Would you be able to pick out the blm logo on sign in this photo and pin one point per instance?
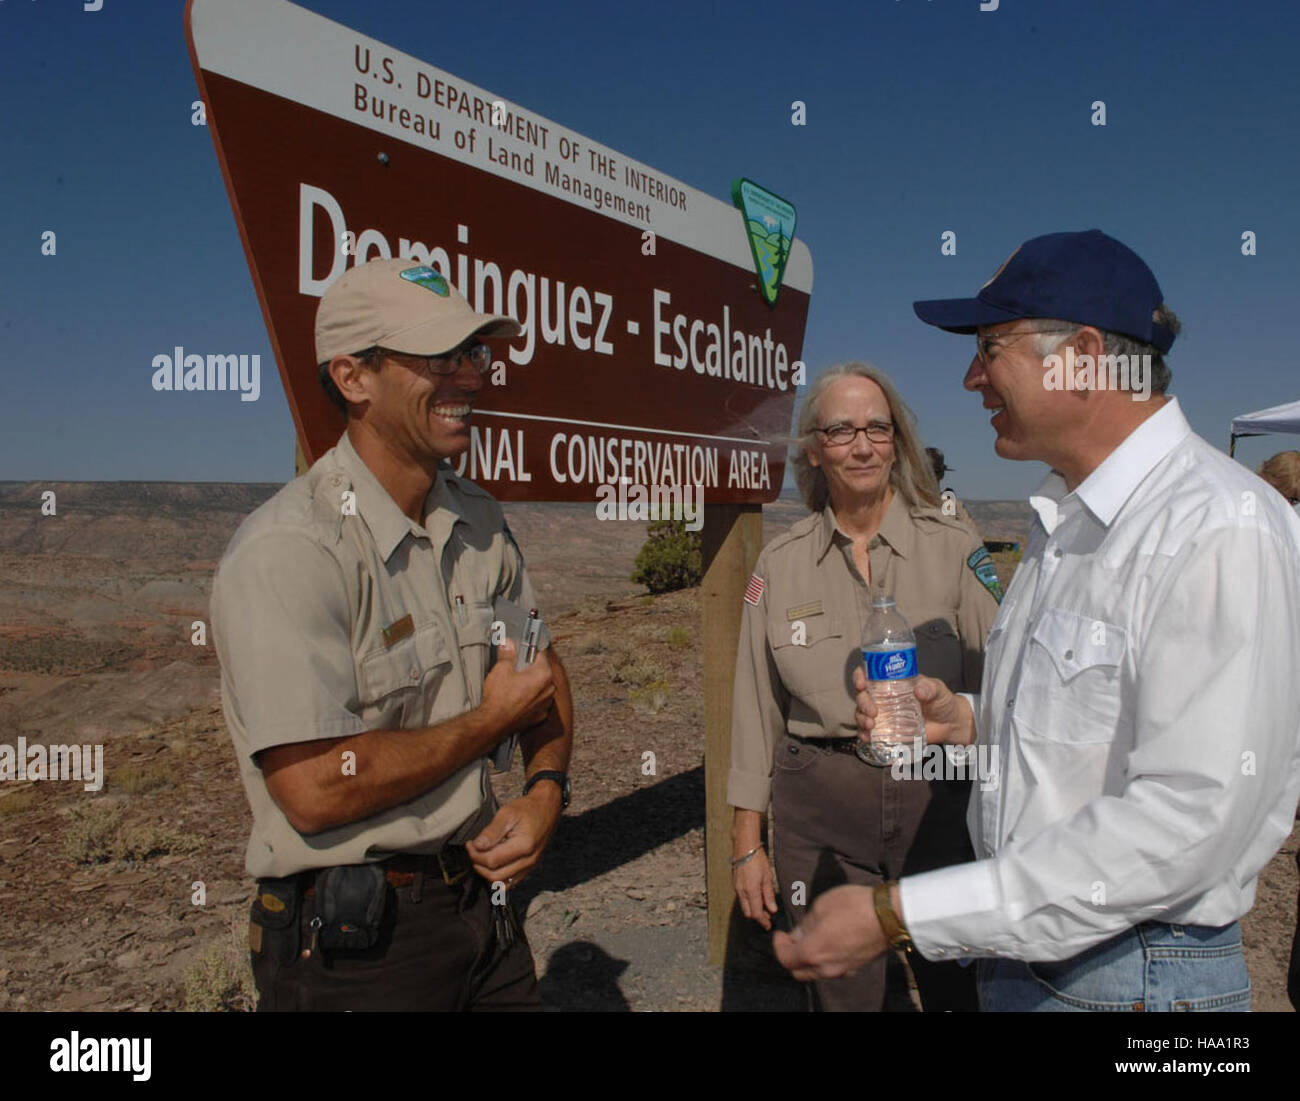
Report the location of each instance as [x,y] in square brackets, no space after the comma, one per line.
[769,222]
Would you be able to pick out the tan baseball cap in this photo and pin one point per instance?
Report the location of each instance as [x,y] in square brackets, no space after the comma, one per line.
[402,305]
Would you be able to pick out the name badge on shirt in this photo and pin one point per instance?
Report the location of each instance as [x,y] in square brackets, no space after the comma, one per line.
[803,611]
[396,631]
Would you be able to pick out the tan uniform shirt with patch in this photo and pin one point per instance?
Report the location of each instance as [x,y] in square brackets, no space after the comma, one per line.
[334,614]
[808,577]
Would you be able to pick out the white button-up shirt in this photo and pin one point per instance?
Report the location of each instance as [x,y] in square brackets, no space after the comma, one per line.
[1141,702]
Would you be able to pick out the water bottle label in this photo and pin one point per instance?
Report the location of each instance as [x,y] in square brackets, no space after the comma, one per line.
[890,664]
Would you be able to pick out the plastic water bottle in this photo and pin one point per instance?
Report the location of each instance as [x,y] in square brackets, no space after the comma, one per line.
[889,654]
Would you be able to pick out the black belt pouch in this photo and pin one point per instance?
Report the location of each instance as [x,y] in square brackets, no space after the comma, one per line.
[275,909]
[350,901]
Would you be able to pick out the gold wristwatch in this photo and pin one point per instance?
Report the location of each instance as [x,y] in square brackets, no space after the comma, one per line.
[890,923]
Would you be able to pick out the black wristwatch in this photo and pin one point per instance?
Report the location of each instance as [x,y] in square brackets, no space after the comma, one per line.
[561,778]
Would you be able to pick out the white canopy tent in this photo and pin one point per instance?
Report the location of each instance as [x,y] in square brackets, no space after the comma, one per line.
[1280,418]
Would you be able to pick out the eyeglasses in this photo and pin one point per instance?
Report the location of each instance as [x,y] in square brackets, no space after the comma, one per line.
[448,363]
[983,343]
[840,435]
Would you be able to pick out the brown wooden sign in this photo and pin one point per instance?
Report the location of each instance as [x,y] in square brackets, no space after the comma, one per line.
[648,354]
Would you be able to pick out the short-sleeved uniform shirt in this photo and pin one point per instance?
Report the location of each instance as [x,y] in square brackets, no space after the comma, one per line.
[334,614]
[805,612]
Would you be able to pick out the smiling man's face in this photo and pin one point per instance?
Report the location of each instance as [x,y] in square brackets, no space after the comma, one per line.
[422,414]
[1031,421]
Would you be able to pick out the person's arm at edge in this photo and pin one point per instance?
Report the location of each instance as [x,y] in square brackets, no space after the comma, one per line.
[1206,827]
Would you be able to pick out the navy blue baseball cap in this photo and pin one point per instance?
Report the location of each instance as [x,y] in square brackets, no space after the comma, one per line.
[1087,278]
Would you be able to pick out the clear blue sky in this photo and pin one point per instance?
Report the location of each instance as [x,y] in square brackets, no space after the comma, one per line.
[923,116]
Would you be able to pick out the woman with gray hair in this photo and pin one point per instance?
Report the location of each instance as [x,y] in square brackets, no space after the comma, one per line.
[878,528]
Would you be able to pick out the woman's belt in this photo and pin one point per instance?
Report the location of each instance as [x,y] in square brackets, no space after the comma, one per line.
[853,745]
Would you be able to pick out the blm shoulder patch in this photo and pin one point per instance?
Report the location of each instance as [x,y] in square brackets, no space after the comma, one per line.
[981,565]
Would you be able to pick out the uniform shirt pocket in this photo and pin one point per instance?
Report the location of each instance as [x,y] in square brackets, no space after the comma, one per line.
[812,660]
[474,637]
[393,682]
[1070,689]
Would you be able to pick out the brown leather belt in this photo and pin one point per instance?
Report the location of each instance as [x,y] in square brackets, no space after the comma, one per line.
[452,864]
[841,745]
[853,746]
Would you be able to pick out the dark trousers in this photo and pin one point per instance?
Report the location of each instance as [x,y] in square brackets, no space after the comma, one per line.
[438,949]
[840,820]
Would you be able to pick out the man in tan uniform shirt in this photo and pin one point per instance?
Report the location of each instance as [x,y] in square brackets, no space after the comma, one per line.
[355,645]
[801,635]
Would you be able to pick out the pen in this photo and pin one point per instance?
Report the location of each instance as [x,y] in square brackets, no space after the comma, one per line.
[532,631]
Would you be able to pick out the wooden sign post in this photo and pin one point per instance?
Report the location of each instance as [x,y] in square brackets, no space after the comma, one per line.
[732,538]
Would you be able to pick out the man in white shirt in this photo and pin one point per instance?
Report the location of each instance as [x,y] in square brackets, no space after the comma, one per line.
[1140,699]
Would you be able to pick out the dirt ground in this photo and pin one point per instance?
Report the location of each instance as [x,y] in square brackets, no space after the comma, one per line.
[135,897]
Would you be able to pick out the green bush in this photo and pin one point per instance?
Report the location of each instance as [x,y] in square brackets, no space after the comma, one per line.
[672,557]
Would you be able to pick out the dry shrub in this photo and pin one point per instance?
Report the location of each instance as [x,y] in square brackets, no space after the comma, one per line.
[91,834]
[221,979]
[637,672]
[16,803]
[137,779]
[650,698]
[142,842]
[95,835]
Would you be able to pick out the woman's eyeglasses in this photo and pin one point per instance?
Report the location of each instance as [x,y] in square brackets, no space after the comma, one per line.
[839,435]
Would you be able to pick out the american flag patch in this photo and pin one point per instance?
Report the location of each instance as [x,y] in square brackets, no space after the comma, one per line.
[754,590]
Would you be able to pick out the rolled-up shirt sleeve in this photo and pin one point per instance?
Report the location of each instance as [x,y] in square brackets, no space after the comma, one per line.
[758,709]
[282,629]
[1215,762]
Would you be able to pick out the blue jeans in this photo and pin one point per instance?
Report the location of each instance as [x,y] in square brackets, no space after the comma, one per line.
[1153,967]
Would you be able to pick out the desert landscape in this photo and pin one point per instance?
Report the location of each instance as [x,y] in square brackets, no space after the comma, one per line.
[134,897]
